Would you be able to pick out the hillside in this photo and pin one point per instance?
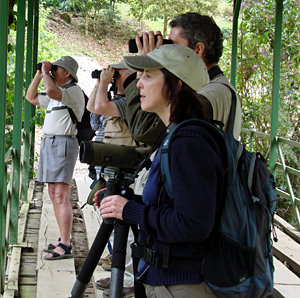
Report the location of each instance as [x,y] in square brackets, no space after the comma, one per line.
[107,45]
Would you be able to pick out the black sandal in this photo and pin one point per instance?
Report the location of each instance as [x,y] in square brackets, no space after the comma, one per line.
[68,253]
[51,246]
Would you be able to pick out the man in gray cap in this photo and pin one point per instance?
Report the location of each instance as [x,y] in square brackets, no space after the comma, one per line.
[113,130]
[114,109]
[59,147]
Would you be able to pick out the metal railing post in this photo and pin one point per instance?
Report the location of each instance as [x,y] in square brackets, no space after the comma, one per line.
[17,121]
[34,61]
[276,86]
[3,189]
[236,13]
[27,105]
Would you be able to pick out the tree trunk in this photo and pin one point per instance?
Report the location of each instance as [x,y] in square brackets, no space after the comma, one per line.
[94,22]
[165,26]
[86,18]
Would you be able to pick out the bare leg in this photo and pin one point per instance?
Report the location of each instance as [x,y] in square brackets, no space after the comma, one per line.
[60,196]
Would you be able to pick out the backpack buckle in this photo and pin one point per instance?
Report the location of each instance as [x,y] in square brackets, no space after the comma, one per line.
[153,258]
[149,256]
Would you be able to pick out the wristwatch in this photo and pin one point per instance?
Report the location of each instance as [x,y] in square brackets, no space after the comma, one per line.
[46,73]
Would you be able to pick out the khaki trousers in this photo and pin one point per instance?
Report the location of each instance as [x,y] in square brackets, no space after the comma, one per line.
[201,290]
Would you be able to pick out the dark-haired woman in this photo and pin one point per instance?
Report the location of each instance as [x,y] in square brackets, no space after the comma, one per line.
[172,74]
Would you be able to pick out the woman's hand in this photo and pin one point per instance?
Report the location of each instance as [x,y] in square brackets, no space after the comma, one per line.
[96,197]
[112,206]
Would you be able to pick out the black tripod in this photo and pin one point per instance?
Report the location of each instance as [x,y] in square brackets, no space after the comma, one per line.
[119,253]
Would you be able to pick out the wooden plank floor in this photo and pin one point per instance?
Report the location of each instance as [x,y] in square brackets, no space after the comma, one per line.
[28,274]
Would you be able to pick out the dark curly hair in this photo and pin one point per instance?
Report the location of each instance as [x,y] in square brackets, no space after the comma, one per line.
[183,99]
[201,28]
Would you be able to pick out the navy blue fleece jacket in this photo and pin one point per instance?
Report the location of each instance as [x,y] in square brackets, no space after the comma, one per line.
[197,181]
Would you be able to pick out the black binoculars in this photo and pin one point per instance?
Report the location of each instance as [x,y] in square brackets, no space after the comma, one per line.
[133,47]
[39,66]
[96,74]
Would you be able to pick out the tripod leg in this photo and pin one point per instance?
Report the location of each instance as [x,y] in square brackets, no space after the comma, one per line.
[118,260]
[91,260]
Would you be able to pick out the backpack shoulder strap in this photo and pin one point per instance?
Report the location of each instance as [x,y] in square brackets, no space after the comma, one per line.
[230,124]
[72,115]
[165,157]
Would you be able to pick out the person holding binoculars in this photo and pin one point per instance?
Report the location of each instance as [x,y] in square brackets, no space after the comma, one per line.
[59,147]
[113,108]
[108,114]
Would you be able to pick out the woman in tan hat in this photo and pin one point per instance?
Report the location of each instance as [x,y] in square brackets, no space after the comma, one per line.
[173,229]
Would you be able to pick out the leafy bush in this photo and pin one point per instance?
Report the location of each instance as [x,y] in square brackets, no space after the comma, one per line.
[67,5]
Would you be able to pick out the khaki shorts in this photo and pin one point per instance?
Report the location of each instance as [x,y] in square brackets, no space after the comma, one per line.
[201,290]
[58,155]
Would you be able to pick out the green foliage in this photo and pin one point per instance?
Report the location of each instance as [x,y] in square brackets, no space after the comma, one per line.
[255,65]
[168,9]
[66,5]
[109,21]
[256,45]
[47,41]
[286,211]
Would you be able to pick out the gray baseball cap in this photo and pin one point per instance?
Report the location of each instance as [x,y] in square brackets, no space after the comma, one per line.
[180,60]
[122,65]
[69,64]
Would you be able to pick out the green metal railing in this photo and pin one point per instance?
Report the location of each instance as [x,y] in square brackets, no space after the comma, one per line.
[15,164]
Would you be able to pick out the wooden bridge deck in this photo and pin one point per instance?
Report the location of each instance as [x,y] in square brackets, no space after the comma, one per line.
[29,275]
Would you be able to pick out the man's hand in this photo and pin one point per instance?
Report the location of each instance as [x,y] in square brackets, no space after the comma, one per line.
[107,75]
[46,67]
[32,92]
[149,43]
